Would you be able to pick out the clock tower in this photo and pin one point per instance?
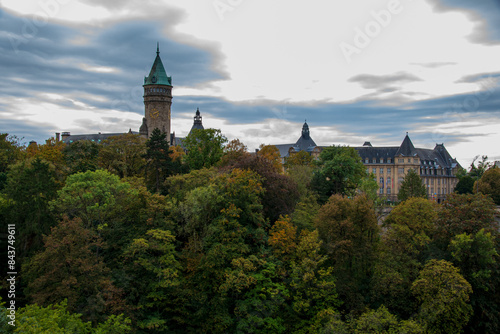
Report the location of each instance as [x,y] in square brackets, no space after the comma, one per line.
[157,99]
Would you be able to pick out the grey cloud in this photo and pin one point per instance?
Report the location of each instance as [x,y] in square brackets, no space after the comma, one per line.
[370,81]
[484,13]
[434,64]
[479,76]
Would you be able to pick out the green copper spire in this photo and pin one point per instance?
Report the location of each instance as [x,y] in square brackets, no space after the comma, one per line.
[158,75]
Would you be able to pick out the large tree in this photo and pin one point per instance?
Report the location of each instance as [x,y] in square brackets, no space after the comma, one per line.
[489,184]
[31,186]
[159,164]
[204,148]
[350,234]
[443,295]
[81,156]
[123,155]
[340,172]
[70,268]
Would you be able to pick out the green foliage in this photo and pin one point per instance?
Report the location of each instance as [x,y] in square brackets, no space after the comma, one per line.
[81,156]
[489,184]
[382,321]
[30,188]
[70,268]
[477,258]
[241,247]
[50,320]
[464,214]
[443,295]
[301,158]
[465,185]
[123,155]
[204,148]
[159,164]
[340,172]
[350,235]
[404,248]
[10,153]
[281,192]
[56,319]
[156,270]
[95,197]
[412,186]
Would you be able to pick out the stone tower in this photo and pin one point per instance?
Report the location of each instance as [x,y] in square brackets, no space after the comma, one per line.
[157,99]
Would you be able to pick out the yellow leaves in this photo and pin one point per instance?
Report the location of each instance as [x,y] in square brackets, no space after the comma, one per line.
[271,153]
[176,153]
[282,236]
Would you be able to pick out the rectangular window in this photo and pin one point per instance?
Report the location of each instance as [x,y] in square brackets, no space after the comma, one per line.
[409,159]
[388,160]
[381,190]
[382,180]
[388,191]
[381,171]
[366,160]
[374,170]
[401,170]
[388,170]
[401,160]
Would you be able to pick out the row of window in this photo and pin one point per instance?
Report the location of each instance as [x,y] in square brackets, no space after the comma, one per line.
[402,171]
[374,170]
[156,90]
[400,160]
[381,160]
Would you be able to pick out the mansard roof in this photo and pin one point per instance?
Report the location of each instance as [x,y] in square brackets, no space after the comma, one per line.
[158,75]
[437,157]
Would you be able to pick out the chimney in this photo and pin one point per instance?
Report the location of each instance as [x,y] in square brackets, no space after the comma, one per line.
[58,136]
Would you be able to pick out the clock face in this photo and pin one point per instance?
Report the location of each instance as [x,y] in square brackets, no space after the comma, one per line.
[154,113]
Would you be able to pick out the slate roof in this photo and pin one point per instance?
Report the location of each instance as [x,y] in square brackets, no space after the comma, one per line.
[406,149]
[429,158]
[304,143]
[95,137]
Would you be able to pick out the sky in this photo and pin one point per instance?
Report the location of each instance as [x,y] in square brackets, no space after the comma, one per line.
[363,70]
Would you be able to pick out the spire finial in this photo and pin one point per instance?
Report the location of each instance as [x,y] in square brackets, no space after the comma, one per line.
[157,48]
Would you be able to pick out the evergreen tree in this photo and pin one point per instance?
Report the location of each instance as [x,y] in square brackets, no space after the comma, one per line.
[159,164]
[412,186]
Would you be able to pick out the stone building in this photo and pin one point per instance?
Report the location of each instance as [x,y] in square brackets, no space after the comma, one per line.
[389,165]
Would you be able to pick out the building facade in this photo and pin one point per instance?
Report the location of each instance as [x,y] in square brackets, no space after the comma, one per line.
[389,165]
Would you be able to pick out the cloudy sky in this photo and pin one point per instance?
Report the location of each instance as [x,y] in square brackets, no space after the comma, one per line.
[364,70]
